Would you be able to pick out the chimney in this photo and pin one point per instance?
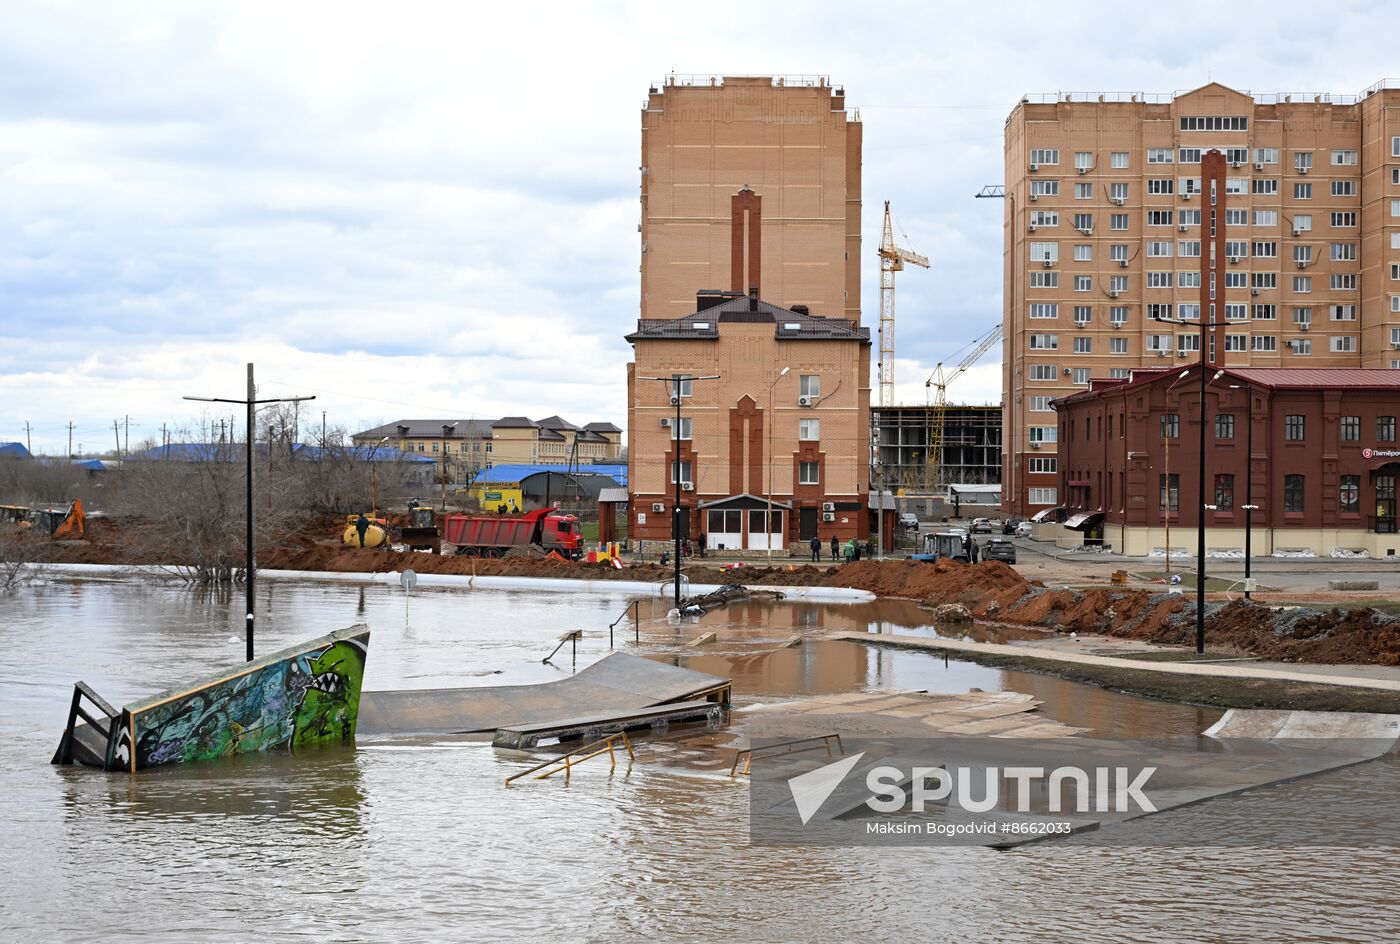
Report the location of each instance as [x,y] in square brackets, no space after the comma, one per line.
[753,298]
[746,226]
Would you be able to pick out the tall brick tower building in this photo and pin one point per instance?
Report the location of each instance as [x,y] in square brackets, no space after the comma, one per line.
[787,139]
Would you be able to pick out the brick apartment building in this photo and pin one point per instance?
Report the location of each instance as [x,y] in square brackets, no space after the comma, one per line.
[1104,230]
[467,446]
[1315,449]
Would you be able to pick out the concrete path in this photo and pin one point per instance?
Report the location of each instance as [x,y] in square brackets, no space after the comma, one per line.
[1248,670]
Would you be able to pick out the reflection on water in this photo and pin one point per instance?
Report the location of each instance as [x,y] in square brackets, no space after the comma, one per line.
[346,844]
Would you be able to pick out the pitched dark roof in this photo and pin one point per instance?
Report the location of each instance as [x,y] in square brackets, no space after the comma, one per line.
[429,429]
[551,434]
[602,427]
[515,422]
[556,422]
[1279,378]
[788,324]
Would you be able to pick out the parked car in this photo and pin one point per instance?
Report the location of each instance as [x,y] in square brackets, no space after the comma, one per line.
[1009,525]
[999,549]
[981,525]
[1023,530]
[908,519]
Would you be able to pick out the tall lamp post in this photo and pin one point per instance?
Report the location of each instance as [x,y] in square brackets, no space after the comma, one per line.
[1249,505]
[250,562]
[675,383]
[447,429]
[768,479]
[373,484]
[1166,499]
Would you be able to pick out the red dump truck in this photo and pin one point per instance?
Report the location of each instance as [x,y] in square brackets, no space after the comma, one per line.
[494,535]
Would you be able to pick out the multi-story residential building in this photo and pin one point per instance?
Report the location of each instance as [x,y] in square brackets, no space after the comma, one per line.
[790,140]
[467,446]
[1103,232]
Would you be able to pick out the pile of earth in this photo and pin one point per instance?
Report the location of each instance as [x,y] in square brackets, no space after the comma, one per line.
[1359,636]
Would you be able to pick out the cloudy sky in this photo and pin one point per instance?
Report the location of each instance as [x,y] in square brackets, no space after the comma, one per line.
[421,209]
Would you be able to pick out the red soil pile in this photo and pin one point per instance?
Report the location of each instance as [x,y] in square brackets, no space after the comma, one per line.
[1359,636]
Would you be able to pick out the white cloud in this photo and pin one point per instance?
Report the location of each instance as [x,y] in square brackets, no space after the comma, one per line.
[436,204]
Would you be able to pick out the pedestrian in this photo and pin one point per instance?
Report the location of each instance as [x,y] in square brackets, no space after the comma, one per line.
[849,550]
[700,543]
[967,548]
[362,527]
[856,545]
[835,548]
[816,548]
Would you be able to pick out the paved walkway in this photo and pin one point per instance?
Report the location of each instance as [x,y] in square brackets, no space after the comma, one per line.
[1379,678]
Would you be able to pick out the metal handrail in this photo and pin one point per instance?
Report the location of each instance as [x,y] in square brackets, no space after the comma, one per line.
[574,635]
[635,609]
[746,754]
[572,759]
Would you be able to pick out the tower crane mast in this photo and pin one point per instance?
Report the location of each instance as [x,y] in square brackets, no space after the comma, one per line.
[892,260]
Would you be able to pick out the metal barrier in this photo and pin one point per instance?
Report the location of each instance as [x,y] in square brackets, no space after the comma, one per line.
[577,756]
[106,727]
[746,755]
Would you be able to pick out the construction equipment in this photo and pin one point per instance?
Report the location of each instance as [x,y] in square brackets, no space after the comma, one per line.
[376,534]
[421,532]
[495,535]
[936,399]
[892,260]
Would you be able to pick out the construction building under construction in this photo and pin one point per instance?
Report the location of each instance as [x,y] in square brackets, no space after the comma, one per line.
[970,452]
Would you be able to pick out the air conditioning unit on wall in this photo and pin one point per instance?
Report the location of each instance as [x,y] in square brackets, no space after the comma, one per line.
[658,507]
[828,516]
[665,422]
[687,486]
[805,401]
[828,506]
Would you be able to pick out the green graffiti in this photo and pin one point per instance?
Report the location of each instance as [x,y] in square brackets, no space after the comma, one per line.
[332,702]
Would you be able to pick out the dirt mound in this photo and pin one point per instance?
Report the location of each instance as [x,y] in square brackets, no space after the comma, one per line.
[1355,637]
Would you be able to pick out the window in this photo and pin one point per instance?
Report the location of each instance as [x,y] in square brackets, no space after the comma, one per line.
[1159,342]
[809,430]
[1045,218]
[1302,161]
[1170,424]
[1159,155]
[1395,175]
[1302,284]
[1189,156]
[1237,155]
[1265,250]
[1236,217]
[1342,312]
[1343,188]
[1302,254]
[1042,372]
[1395,208]
[1236,311]
[1300,345]
[1045,342]
[1081,376]
[1118,315]
[681,430]
[1263,312]
[1045,155]
[1263,280]
[1236,280]
[1159,280]
[1344,219]
[1041,405]
[1395,303]
[1349,495]
[1188,217]
[1083,345]
[1266,155]
[1266,217]
[686,474]
[1044,280]
[1084,222]
[1351,428]
[1169,492]
[1343,158]
[1293,427]
[1118,193]
[1045,188]
[1117,345]
[1224,426]
[1188,342]
[1119,373]
[1118,221]
[1236,342]
[1394,272]
[1117,285]
[1118,252]
[1385,429]
[687,386]
[1188,280]
[1395,147]
[1083,160]
[435,447]
[1302,223]
[1044,464]
[1293,494]
[1160,185]
[1344,252]
[1224,492]
[808,473]
[1118,160]
[1302,315]
[1045,252]
[1160,249]
[1302,191]
[1159,217]
[1083,314]
[1263,344]
[1343,344]
[1265,185]
[1189,311]
[1083,252]
[1188,248]
[1236,248]
[1083,283]
[1043,434]
[1041,496]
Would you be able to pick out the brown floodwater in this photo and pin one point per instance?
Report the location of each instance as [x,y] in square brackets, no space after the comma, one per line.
[412,841]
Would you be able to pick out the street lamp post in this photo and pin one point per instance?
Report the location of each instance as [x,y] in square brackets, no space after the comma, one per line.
[1166,497]
[250,560]
[675,381]
[1249,505]
[768,479]
[447,429]
[373,484]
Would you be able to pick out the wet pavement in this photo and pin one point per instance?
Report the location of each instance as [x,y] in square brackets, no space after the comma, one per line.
[412,841]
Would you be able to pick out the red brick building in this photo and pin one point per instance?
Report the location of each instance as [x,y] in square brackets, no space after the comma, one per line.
[1322,471]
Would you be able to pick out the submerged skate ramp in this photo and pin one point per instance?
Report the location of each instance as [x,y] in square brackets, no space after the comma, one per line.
[618,682]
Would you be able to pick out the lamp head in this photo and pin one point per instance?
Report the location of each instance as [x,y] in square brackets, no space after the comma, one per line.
[784,371]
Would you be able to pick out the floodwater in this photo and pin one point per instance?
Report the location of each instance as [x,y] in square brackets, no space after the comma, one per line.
[391,841]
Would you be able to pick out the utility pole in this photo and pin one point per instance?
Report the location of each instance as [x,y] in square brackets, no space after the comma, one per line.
[164,442]
[250,560]
[117,435]
[70,439]
[126,433]
[28,443]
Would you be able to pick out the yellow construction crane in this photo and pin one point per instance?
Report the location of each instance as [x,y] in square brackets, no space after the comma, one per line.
[936,399]
[892,260]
